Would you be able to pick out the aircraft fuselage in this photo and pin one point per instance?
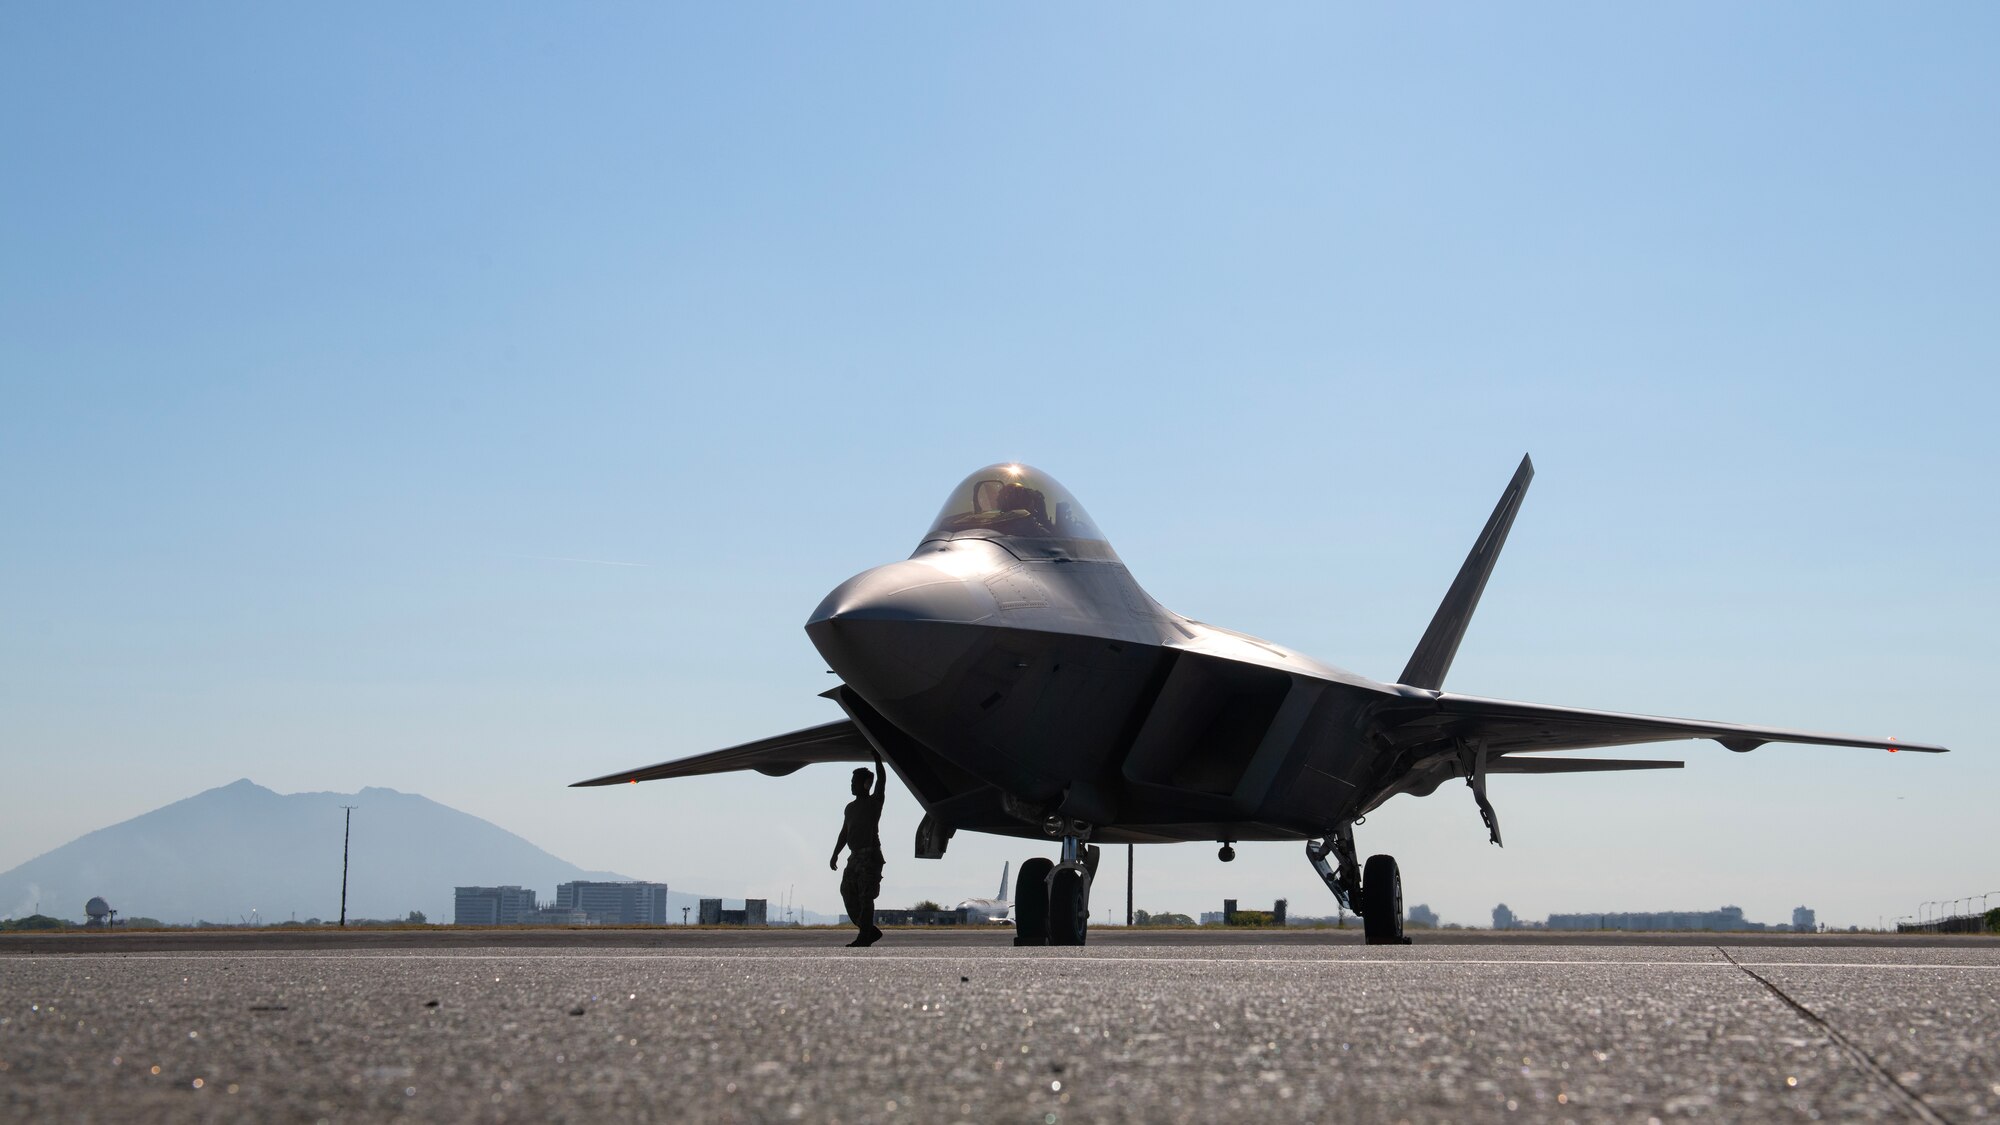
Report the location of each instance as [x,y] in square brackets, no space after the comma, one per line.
[1031,688]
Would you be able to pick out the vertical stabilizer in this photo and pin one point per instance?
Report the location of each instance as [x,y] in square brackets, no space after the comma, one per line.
[1440,644]
[1002,896]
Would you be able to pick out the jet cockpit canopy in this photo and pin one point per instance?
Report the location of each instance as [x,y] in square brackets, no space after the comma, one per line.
[1025,510]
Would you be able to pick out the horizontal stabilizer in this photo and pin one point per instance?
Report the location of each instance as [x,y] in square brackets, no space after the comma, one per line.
[776,756]
[1507,726]
[1440,642]
[1525,764]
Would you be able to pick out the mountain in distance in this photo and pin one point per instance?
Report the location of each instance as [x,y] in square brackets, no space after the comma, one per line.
[222,854]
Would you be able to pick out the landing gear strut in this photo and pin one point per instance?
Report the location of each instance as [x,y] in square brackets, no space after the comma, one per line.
[1375,893]
[1052,900]
[1345,883]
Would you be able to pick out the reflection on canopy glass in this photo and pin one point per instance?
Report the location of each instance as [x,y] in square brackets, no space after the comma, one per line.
[1013,501]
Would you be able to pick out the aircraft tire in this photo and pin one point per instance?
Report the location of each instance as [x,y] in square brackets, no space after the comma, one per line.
[1031,902]
[1069,907]
[1382,901]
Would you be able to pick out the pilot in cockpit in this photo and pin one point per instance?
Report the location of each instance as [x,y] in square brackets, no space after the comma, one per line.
[1017,497]
[1012,502]
[1007,507]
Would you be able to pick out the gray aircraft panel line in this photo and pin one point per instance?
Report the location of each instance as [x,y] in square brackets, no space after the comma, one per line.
[1020,682]
[1492,1032]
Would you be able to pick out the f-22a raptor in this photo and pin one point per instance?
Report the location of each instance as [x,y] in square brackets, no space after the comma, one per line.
[1021,683]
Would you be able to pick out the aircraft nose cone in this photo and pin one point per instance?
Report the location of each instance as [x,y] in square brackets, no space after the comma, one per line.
[893,633]
[904,591]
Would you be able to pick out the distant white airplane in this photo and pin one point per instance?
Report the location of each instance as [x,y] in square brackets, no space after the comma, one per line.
[999,909]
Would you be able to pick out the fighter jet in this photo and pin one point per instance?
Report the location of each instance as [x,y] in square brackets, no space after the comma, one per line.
[1021,683]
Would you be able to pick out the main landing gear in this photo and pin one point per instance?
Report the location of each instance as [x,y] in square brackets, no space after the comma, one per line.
[1052,900]
[1374,892]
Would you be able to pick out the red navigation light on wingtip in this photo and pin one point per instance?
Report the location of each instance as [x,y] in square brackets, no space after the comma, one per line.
[1892,749]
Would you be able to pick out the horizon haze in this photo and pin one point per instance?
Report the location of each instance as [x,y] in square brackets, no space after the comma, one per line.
[240,850]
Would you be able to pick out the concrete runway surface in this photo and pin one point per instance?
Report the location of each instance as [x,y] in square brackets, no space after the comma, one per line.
[966,1028]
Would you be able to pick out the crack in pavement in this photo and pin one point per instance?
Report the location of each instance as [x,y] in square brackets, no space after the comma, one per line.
[1910,1099]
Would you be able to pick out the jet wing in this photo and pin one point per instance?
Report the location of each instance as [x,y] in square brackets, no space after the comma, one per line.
[777,756]
[1505,726]
[1529,763]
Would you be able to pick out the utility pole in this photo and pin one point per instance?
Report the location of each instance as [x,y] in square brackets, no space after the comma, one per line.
[346,833]
[1131,850]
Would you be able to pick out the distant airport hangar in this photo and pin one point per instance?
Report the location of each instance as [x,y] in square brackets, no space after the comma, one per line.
[578,903]
[755,912]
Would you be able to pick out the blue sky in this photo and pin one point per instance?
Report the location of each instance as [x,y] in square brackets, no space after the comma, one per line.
[323,335]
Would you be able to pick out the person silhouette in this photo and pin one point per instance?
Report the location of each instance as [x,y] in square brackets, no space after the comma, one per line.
[860,834]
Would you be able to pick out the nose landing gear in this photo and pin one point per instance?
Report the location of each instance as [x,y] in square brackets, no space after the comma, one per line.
[1375,893]
[1069,906]
[1382,902]
[1031,902]
[1052,900]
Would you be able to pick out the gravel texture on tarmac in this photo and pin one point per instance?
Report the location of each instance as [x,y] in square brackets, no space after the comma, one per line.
[975,1030]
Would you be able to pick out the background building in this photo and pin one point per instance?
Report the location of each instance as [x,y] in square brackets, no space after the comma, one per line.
[628,904]
[491,906]
[753,913]
[1804,921]
[1231,916]
[1503,918]
[1727,918]
[557,916]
